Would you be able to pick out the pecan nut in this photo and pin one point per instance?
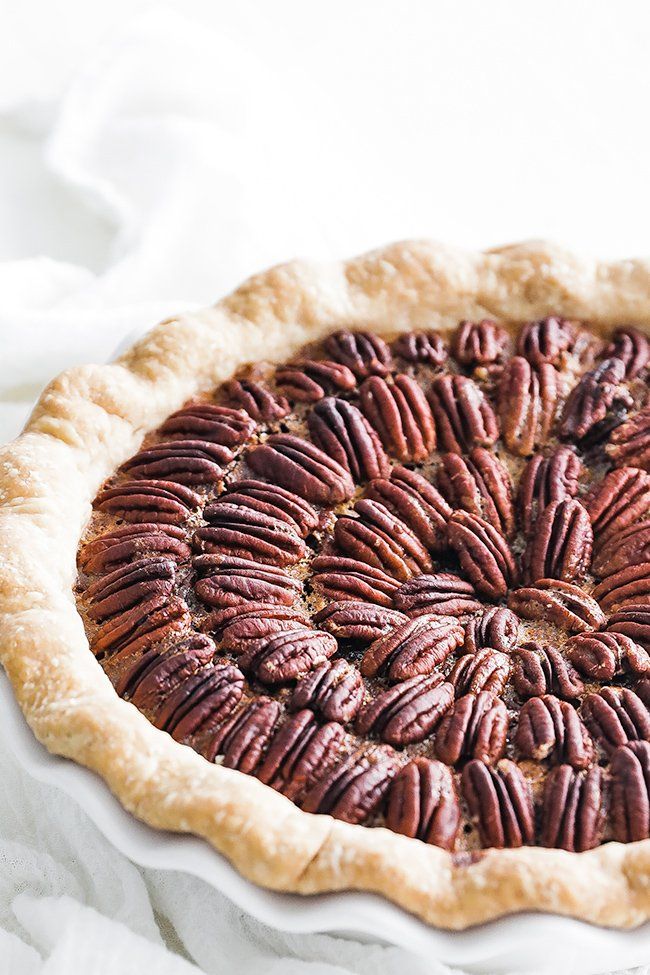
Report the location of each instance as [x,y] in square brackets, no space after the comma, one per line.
[339,578]
[256,399]
[237,619]
[350,619]
[243,738]
[247,534]
[129,543]
[181,461]
[486,670]
[148,679]
[597,404]
[615,716]
[136,629]
[630,792]
[551,729]
[423,803]
[416,502]
[149,501]
[561,544]
[633,621]
[201,702]
[479,343]
[540,670]
[496,627]
[483,553]
[343,432]
[629,444]
[301,468]
[355,789]
[408,712]
[426,347]
[500,802]
[231,582]
[205,421]
[285,655]
[481,485]
[475,727]
[372,534]
[401,415]
[603,656]
[630,546]
[300,754]
[547,340]
[464,417]
[440,594]
[417,646]
[544,480]
[557,602]
[310,380]
[620,501]
[629,586]
[527,402]
[129,585]
[248,630]
[572,817]
[633,349]
[274,501]
[364,353]
[334,690]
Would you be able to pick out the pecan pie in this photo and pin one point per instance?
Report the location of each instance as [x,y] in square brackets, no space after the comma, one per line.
[352,578]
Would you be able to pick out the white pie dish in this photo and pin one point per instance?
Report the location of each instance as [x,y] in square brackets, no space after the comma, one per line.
[523,943]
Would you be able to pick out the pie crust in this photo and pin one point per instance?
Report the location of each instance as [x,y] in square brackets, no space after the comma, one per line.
[91,419]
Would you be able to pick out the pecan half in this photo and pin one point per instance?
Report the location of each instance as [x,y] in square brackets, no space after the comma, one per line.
[334,690]
[629,546]
[129,543]
[441,594]
[597,404]
[417,646]
[416,502]
[527,402]
[149,678]
[231,581]
[148,501]
[497,627]
[551,729]
[350,619]
[286,655]
[540,670]
[423,804]
[426,347]
[629,586]
[485,670]
[129,585]
[256,399]
[136,629]
[356,787]
[629,444]
[372,534]
[633,621]
[343,432]
[248,534]
[557,602]
[633,349]
[616,715]
[300,754]
[401,415]
[475,727]
[572,817]
[484,555]
[408,712]
[201,701]
[310,380]
[478,343]
[618,502]
[272,500]
[464,417]
[603,656]
[630,792]
[500,802]
[249,614]
[561,543]
[248,631]
[301,468]
[206,421]
[340,578]
[547,340]
[479,484]
[544,480]
[365,353]
[243,738]
[180,461]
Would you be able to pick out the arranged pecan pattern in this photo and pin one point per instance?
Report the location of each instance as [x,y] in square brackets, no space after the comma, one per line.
[417,646]
[500,802]
[630,792]
[441,594]
[338,578]
[561,603]
[243,739]
[540,670]
[629,444]
[401,415]
[148,679]
[486,670]
[479,484]
[479,343]
[408,712]
[356,787]
[300,755]
[527,398]
[273,501]
[483,553]
[201,702]
[464,417]
[310,380]
[615,716]
[426,347]
[618,502]
[561,544]
[423,803]
[302,468]
[416,502]
[603,656]
[144,625]
[551,729]
[256,399]
[205,421]
[597,404]
[497,627]
[242,532]
[633,349]
[144,581]
[475,727]
[229,582]
[546,341]
[350,619]
[181,461]
[342,431]
[373,535]
[572,817]
[364,353]
[334,690]
[149,501]
[546,479]
[285,655]
[130,542]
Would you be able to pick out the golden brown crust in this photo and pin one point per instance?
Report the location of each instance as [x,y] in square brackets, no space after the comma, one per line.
[91,419]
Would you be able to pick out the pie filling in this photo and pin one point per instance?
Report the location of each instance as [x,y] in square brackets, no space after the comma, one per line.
[406,584]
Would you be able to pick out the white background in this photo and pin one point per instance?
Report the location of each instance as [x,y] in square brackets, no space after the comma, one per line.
[154,155]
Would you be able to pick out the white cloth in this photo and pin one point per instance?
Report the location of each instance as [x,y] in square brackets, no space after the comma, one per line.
[175,163]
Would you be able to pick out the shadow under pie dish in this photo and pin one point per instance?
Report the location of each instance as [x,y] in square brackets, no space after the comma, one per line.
[396,572]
